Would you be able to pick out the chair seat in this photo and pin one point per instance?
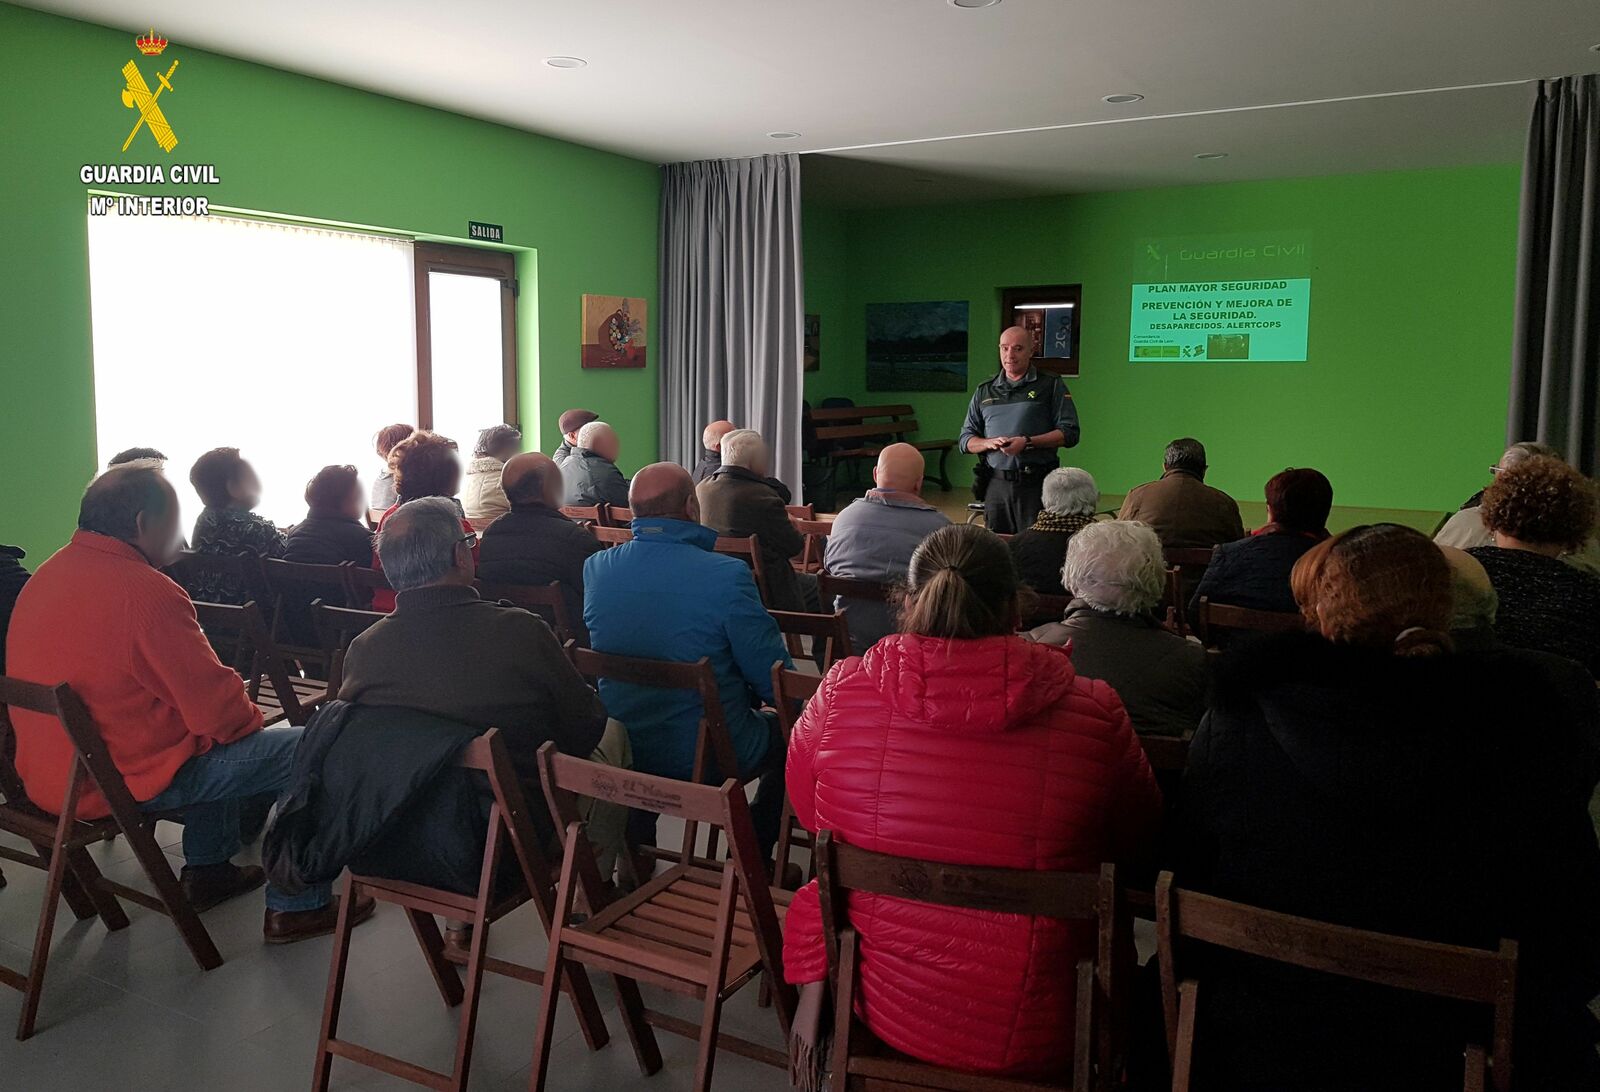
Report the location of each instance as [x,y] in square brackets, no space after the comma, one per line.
[674,917]
[34,824]
[309,692]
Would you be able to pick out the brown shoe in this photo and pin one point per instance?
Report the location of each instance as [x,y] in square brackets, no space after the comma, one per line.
[207,885]
[289,926]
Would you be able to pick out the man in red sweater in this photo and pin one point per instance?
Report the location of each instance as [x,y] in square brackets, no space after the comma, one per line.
[101,617]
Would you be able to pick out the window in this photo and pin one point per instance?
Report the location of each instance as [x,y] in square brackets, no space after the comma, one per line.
[293,343]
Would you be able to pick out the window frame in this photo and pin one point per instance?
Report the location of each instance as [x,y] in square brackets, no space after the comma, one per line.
[467,261]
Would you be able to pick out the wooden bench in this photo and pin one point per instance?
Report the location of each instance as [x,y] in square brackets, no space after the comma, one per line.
[861,437]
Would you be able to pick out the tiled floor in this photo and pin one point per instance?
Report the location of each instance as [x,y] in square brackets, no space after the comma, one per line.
[131,1011]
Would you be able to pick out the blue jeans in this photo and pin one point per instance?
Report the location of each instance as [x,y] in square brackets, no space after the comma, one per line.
[208,788]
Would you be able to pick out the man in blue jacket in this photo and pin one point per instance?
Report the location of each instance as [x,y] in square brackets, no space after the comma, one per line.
[667,596]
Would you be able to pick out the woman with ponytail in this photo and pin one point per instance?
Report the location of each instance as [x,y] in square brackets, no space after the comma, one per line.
[957,740]
[1368,773]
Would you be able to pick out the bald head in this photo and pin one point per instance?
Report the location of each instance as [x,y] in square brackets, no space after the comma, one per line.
[900,467]
[664,490]
[715,431]
[135,503]
[1016,351]
[1474,602]
[532,478]
[600,438]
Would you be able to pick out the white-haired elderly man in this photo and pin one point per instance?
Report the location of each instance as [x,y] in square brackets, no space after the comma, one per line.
[1070,500]
[739,500]
[590,473]
[1115,573]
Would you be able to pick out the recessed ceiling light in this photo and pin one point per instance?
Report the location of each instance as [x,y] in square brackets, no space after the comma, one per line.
[1212,155]
[783,134]
[565,62]
[973,3]
[1125,97]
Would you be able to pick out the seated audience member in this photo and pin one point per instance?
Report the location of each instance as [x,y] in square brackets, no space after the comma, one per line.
[1254,572]
[1367,774]
[137,454]
[425,465]
[1537,510]
[100,617]
[738,500]
[711,451]
[482,499]
[13,575]
[591,473]
[875,536]
[447,652]
[534,543]
[1070,498]
[227,526]
[383,494]
[332,532]
[957,740]
[667,596]
[1116,575]
[1465,530]
[569,424]
[1185,512]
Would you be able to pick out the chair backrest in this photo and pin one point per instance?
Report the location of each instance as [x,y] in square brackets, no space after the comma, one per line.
[243,572]
[1187,555]
[615,515]
[548,601]
[829,586]
[336,628]
[816,532]
[790,692]
[584,513]
[294,586]
[1449,971]
[511,815]
[63,704]
[714,756]
[610,536]
[830,628]
[1070,896]
[801,511]
[1211,618]
[748,549]
[361,582]
[257,656]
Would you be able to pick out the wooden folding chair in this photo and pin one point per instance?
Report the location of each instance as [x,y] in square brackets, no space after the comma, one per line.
[610,536]
[509,822]
[1174,605]
[242,573]
[790,692]
[287,696]
[748,550]
[293,587]
[615,515]
[801,511]
[847,587]
[548,601]
[1213,620]
[827,628]
[1474,975]
[714,756]
[360,583]
[336,628]
[702,929]
[590,513]
[860,1061]
[59,843]
[816,532]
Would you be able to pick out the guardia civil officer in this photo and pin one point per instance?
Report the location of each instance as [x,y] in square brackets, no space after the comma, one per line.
[1015,423]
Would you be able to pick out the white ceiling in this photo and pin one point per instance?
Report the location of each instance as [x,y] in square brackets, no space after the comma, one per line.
[692,79]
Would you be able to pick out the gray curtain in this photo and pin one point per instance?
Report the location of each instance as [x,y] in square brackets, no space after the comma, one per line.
[1555,357]
[732,305]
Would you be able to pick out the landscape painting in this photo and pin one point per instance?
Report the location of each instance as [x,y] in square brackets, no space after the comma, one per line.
[917,346]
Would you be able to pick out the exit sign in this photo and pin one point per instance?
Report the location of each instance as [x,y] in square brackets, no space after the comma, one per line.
[488,233]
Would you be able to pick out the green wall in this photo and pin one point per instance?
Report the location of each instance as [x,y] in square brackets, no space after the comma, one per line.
[1402,401]
[582,220]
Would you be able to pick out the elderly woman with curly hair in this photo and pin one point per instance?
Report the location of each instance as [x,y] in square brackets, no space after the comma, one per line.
[1370,774]
[1538,510]
[425,464]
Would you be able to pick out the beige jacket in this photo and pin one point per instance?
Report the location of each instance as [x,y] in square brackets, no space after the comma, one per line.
[482,499]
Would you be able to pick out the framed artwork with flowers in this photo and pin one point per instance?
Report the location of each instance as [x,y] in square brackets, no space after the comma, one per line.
[613,332]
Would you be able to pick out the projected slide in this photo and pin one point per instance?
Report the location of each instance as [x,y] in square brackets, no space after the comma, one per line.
[1223,298]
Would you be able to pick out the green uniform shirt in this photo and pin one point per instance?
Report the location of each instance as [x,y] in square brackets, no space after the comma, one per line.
[1032,406]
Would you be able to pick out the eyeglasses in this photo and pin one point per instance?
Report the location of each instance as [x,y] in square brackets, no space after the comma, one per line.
[469,540]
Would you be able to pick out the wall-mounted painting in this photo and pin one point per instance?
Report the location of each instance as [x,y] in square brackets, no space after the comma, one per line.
[813,343]
[917,346]
[613,332]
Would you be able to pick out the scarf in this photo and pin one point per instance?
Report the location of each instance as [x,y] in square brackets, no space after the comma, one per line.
[1054,521]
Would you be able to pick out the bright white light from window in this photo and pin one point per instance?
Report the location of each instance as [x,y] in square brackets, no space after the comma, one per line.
[294,344]
[468,384]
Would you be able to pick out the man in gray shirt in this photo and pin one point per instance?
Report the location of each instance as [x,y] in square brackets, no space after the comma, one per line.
[1014,424]
[875,536]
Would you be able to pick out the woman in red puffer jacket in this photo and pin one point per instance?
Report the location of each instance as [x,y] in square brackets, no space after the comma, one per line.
[958,741]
